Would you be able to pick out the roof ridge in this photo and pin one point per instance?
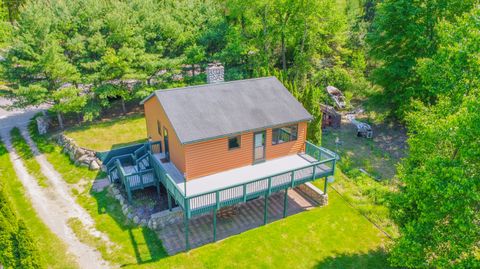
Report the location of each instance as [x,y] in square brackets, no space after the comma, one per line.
[211,84]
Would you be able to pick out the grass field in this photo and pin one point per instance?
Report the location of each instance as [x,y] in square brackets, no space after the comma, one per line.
[102,136]
[53,251]
[335,236]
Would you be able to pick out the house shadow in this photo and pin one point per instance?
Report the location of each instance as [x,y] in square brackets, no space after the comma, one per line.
[144,242]
[377,259]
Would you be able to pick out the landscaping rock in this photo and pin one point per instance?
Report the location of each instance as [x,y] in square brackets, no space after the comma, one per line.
[121,200]
[71,155]
[83,159]
[136,220]
[79,153]
[81,156]
[84,165]
[143,223]
[94,165]
[115,190]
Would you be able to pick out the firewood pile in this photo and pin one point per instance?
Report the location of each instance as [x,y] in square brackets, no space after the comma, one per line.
[228,212]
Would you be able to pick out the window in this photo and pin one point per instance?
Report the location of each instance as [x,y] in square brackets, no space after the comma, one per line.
[284,134]
[159,128]
[234,142]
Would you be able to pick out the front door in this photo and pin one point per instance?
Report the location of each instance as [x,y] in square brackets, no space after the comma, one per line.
[259,147]
[165,142]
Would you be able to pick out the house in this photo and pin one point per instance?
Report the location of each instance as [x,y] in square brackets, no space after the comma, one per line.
[222,143]
[213,128]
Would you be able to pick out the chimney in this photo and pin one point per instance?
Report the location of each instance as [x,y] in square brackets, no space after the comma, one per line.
[215,73]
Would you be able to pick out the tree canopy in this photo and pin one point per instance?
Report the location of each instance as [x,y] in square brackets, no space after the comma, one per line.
[438,208]
[402,33]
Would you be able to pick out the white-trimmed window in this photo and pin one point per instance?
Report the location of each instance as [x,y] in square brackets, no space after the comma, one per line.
[284,134]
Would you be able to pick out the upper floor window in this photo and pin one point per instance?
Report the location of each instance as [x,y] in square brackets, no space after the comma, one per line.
[159,128]
[284,134]
[234,142]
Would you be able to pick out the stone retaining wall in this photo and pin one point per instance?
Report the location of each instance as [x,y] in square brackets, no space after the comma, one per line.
[164,218]
[314,193]
[154,221]
[81,156]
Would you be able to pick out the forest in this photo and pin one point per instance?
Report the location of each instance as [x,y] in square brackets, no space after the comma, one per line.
[417,60]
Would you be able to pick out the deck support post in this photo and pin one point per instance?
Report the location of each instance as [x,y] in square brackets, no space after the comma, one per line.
[285,203]
[325,187]
[215,225]
[158,188]
[265,213]
[187,244]
[129,195]
[169,201]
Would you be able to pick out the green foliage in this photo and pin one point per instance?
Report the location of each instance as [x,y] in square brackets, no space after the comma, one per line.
[403,32]
[17,247]
[68,99]
[438,206]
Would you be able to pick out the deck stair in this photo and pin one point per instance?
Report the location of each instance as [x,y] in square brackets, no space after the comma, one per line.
[133,169]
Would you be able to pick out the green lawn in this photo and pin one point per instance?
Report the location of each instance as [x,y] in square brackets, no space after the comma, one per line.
[335,236]
[106,135]
[53,252]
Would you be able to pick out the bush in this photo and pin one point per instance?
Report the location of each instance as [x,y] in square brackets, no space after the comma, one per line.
[17,247]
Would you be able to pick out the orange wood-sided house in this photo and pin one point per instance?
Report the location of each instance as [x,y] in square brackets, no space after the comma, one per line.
[220,126]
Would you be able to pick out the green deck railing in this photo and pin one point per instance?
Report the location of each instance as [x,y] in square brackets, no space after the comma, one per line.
[174,191]
[322,166]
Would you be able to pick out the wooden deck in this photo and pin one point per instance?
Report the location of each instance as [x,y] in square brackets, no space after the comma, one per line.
[245,174]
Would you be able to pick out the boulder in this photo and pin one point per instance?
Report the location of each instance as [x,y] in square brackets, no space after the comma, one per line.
[79,153]
[83,159]
[136,220]
[115,190]
[71,155]
[94,165]
[84,165]
[143,222]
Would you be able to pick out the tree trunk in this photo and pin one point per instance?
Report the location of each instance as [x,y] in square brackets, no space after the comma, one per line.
[124,109]
[265,44]
[60,120]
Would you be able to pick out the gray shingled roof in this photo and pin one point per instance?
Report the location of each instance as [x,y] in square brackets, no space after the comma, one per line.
[221,109]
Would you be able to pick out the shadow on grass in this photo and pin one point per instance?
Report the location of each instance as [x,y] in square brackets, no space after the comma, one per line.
[372,259]
[104,123]
[120,145]
[146,246]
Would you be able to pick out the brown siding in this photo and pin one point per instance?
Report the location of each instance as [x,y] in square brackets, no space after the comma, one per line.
[154,112]
[213,156]
[284,149]
[209,157]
